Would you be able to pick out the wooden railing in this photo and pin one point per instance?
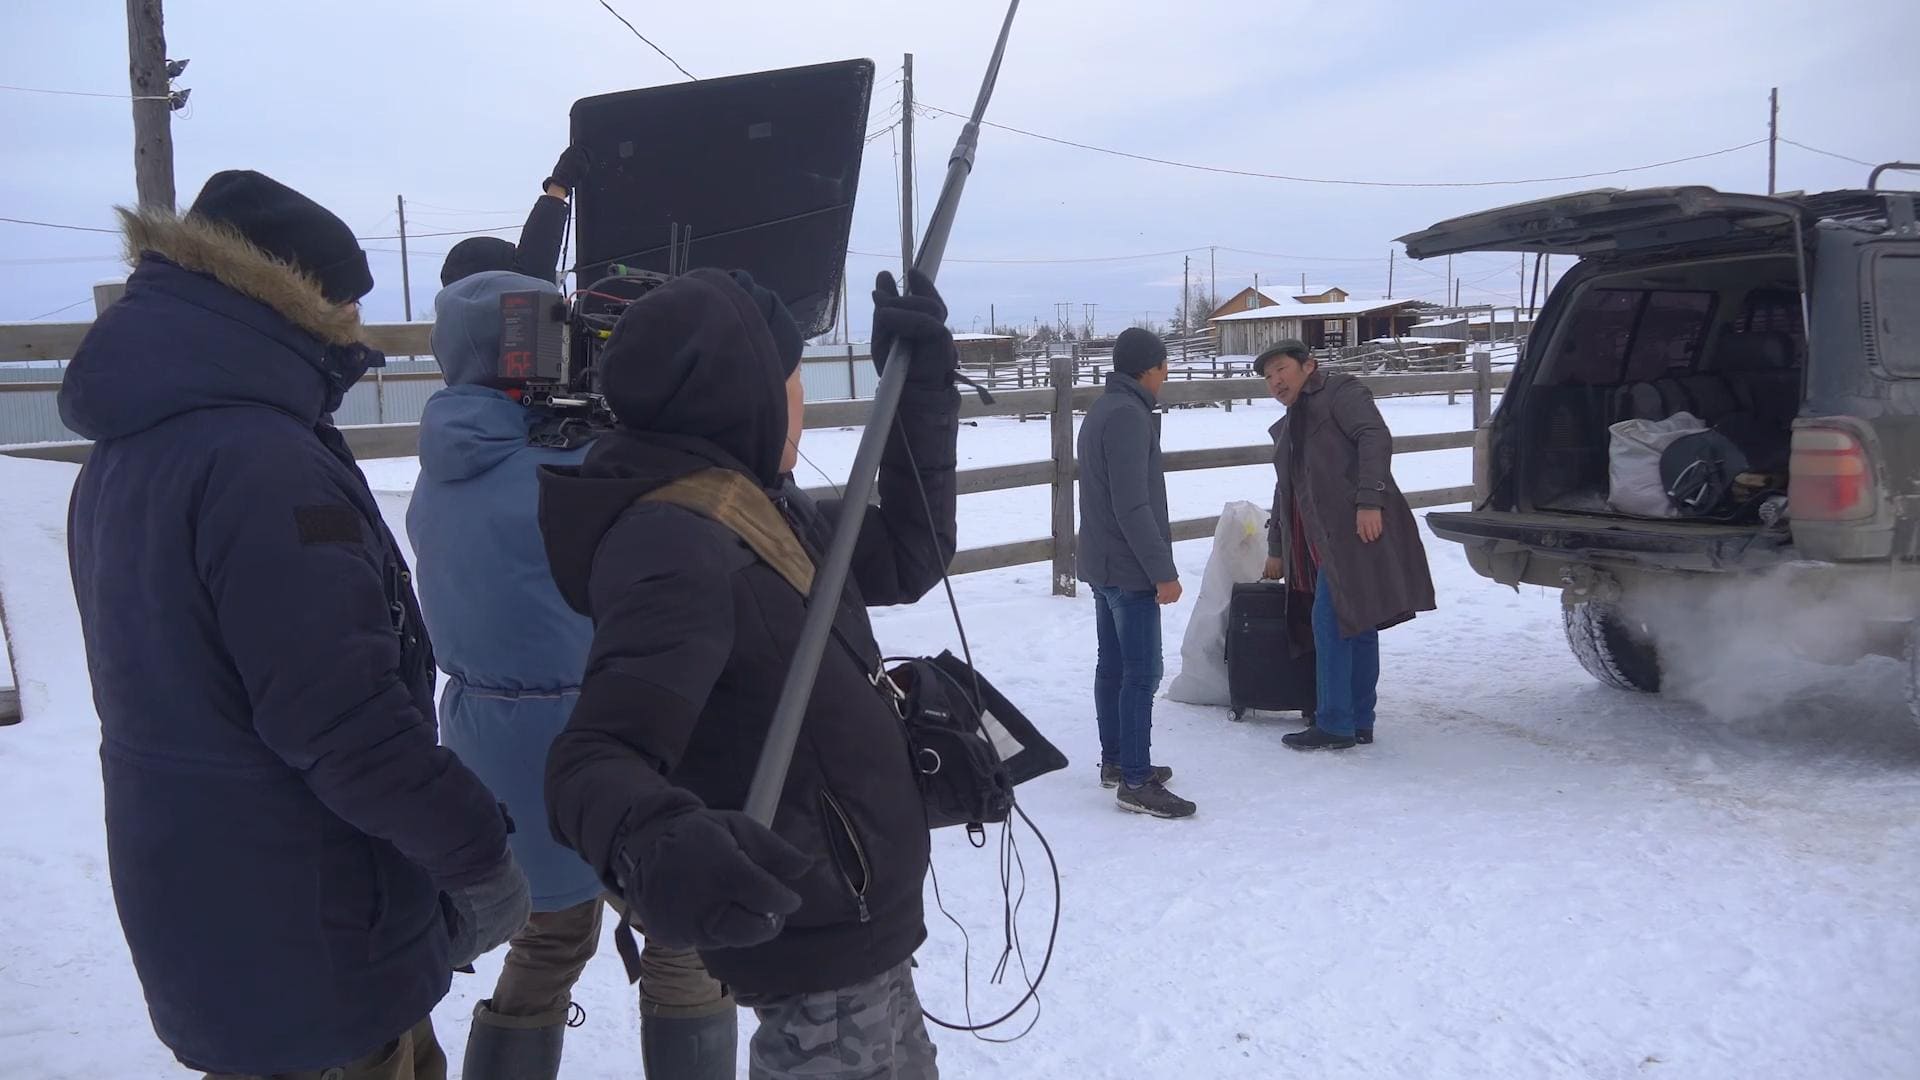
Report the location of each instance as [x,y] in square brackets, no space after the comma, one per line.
[1057,403]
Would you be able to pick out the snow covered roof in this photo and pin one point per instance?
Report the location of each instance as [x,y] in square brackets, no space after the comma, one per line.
[1500,315]
[982,337]
[1311,311]
[1315,290]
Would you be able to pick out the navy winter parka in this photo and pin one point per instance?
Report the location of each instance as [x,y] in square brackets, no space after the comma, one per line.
[280,819]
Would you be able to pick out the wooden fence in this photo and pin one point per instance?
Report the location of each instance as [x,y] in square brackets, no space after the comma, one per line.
[1057,402]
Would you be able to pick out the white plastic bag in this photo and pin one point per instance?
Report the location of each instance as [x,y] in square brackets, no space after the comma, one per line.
[1633,463]
[1239,555]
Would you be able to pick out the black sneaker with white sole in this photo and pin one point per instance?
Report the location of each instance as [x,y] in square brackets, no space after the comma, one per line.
[1363,736]
[1110,774]
[1153,798]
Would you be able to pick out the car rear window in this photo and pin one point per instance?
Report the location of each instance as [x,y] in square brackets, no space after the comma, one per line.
[1895,324]
[1623,336]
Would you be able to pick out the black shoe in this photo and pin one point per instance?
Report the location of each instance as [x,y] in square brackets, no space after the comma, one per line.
[1110,774]
[1315,739]
[1153,798]
[1363,736]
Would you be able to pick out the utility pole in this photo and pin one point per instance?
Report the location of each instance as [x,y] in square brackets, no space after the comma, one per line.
[906,167]
[406,276]
[1390,254]
[1773,136]
[1453,295]
[993,321]
[1303,283]
[1213,278]
[1186,306]
[846,310]
[152,104]
[1256,288]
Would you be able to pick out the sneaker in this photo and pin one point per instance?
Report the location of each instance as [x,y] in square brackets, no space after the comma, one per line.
[1153,798]
[1315,739]
[1363,736]
[1110,774]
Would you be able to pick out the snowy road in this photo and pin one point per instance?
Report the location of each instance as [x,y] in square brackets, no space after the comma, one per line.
[1528,876]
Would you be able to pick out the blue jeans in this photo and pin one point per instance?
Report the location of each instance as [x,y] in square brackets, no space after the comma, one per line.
[1348,669]
[1126,678]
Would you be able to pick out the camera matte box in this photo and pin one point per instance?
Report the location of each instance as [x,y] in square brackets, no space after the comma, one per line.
[761,169]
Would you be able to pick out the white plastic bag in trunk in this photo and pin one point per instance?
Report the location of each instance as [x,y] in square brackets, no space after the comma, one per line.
[1239,555]
[1633,463]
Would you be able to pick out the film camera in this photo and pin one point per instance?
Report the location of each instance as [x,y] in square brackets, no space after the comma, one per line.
[753,172]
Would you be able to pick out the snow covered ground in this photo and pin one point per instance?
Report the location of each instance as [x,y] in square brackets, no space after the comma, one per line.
[1528,876]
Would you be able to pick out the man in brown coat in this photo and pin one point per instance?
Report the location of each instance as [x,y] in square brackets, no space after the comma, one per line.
[1341,531]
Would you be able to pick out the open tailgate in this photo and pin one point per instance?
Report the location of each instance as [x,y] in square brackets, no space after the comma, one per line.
[1676,545]
[1607,220]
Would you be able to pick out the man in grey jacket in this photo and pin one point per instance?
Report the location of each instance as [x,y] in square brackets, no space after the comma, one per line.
[1126,556]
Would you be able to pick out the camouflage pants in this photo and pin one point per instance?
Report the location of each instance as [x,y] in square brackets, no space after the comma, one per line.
[869,1031]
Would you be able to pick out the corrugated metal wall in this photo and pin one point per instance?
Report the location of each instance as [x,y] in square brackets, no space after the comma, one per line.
[31,414]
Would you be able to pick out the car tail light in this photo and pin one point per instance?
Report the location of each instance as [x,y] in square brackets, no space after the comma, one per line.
[1830,476]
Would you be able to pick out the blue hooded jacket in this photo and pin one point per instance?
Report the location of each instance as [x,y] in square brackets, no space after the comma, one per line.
[280,818]
[512,649]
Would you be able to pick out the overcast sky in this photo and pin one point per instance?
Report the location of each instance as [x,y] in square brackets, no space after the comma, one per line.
[462,106]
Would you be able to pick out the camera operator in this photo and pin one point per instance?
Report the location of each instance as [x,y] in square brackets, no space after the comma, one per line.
[813,923]
[513,652]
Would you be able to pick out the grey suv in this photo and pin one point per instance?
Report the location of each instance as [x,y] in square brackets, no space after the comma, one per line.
[1796,319]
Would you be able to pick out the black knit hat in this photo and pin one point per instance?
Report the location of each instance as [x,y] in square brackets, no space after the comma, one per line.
[786,332]
[1138,351]
[290,227]
[476,255]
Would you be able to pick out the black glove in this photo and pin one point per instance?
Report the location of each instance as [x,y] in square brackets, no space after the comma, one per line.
[918,320]
[485,914]
[710,879]
[574,164]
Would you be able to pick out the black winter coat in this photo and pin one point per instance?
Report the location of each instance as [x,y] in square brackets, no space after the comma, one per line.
[693,636]
[280,820]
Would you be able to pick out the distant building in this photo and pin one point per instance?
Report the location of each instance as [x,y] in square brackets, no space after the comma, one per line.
[1252,299]
[984,350]
[1502,324]
[1322,324]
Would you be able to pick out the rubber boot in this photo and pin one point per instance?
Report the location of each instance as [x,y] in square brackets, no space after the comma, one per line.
[690,1044]
[501,1047]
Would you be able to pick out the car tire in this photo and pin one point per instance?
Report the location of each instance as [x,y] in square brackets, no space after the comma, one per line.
[1913,672]
[1611,648]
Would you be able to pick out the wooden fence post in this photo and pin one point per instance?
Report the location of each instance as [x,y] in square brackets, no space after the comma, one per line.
[1064,580]
[1482,387]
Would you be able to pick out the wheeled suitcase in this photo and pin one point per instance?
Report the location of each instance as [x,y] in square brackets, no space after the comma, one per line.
[1266,670]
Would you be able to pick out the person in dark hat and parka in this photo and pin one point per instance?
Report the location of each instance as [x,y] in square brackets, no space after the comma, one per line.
[1125,553]
[812,923]
[298,865]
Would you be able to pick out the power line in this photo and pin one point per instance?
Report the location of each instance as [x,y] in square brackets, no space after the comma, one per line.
[396,236]
[1828,153]
[1356,183]
[454,232]
[87,94]
[58,310]
[53,225]
[643,37]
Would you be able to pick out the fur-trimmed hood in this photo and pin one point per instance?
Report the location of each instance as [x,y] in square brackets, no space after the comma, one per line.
[219,251]
[208,321]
